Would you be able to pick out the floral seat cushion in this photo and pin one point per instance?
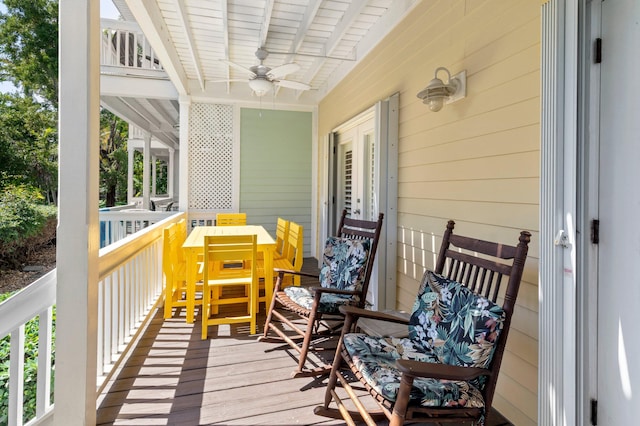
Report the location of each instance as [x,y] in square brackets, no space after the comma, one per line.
[449,325]
[329,303]
[376,358]
[343,268]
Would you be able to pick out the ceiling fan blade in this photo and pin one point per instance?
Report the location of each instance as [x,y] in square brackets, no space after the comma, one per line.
[239,67]
[283,70]
[292,85]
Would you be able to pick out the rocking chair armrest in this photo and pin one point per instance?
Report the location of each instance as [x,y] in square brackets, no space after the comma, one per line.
[291,271]
[320,290]
[440,371]
[376,315]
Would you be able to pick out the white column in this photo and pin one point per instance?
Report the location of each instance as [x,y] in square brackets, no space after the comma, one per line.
[154,175]
[145,171]
[130,153]
[78,226]
[170,173]
[183,193]
[557,317]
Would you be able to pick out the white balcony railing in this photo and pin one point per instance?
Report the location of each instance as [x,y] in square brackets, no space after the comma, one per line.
[130,285]
[124,46]
[33,302]
[117,225]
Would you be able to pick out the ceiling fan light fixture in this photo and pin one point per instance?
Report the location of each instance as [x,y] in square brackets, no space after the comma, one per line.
[260,86]
[437,92]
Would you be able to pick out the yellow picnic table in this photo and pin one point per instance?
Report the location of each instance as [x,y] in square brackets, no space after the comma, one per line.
[194,245]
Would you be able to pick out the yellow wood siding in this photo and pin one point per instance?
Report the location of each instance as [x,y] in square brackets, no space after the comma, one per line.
[476,161]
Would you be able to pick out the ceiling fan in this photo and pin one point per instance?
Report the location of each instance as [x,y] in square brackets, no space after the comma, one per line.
[262,78]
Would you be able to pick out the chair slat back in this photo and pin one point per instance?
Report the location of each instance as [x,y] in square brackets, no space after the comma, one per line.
[358,229]
[282,236]
[231,219]
[172,250]
[219,249]
[168,236]
[181,236]
[483,272]
[482,265]
[294,247]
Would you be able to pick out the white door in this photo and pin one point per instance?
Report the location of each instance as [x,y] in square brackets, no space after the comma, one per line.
[619,214]
[355,182]
[356,172]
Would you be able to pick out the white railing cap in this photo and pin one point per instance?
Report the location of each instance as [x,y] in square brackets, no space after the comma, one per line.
[27,303]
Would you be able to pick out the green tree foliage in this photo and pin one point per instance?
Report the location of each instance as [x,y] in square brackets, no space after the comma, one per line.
[29,59]
[28,145]
[113,159]
[28,135]
[29,47]
[25,224]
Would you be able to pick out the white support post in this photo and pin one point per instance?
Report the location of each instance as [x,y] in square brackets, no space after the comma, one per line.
[154,175]
[130,153]
[170,171]
[146,172]
[557,318]
[183,190]
[78,226]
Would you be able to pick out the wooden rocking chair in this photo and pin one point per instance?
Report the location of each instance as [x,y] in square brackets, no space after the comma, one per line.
[446,370]
[344,278]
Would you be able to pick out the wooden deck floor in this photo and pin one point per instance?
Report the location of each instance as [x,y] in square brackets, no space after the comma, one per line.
[172,377]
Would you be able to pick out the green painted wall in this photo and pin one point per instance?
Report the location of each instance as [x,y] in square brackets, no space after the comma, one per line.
[275,168]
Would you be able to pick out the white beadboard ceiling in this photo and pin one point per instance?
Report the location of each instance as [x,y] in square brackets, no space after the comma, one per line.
[326,38]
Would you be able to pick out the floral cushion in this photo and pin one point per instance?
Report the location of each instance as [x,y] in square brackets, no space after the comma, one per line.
[376,358]
[329,303]
[343,263]
[460,327]
[449,325]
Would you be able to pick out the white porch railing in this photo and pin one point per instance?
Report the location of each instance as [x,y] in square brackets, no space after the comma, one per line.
[203,218]
[117,225]
[130,285]
[125,46]
[33,302]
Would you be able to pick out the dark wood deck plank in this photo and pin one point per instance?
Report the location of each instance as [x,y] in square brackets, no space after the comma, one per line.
[172,377]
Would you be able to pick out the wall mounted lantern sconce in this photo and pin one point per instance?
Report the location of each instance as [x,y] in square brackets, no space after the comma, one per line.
[437,92]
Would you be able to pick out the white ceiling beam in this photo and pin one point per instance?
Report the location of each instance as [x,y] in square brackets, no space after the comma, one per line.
[150,19]
[309,15]
[183,18]
[266,21]
[175,104]
[350,15]
[123,109]
[157,106]
[225,39]
[225,27]
[382,27]
[307,19]
[156,125]
[125,115]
